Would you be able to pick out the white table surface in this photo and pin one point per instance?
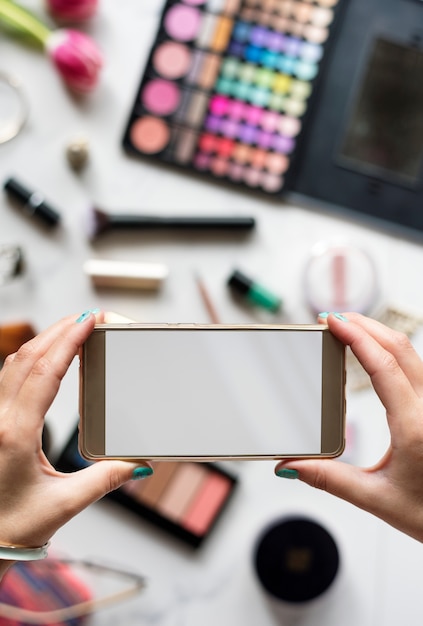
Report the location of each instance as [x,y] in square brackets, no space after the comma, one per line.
[381,573]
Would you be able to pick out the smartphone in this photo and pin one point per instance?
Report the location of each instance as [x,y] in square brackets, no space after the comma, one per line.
[201,392]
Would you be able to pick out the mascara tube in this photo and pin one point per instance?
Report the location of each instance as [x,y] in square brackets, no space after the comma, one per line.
[253,292]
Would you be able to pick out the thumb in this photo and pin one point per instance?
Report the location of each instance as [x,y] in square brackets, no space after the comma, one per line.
[95,481]
[353,484]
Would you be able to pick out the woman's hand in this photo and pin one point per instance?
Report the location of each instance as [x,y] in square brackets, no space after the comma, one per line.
[392,489]
[36,500]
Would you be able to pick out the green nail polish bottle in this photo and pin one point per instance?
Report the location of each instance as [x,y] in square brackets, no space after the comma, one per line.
[253,292]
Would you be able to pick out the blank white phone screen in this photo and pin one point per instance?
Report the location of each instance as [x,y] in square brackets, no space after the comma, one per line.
[213,392]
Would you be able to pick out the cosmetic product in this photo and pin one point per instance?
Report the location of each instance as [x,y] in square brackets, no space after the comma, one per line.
[124,274]
[340,276]
[283,97]
[253,292]
[32,202]
[182,498]
[11,263]
[100,222]
[14,107]
[13,335]
[296,561]
[207,301]
[77,153]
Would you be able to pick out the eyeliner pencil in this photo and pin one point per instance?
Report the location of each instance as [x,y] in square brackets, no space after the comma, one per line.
[100,222]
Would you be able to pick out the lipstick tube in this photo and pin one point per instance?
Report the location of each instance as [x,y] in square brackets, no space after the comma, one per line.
[32,202]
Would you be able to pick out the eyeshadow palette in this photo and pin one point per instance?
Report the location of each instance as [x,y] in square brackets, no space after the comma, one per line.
[319,98]
[228,84]
[184,499]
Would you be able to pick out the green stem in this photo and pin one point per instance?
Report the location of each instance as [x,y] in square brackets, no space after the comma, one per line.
[21,22]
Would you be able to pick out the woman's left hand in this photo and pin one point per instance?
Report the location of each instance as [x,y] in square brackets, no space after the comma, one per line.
[36,500]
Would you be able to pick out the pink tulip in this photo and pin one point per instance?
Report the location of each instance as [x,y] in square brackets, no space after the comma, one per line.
[72,10]
[77,58]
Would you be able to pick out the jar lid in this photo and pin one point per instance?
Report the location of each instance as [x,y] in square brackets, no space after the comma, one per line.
[296,559]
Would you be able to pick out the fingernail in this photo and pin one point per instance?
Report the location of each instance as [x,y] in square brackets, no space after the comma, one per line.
[338,316]
[341,317]
[284,472]
[85,315]
[141,472]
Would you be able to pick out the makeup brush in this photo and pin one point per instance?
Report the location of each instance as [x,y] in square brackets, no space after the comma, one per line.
[207,301]
[12,336]
[99,222]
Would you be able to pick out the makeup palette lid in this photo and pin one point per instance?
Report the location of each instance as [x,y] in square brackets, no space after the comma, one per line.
[296,560]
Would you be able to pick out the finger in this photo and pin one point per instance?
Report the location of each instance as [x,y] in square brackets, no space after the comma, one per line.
[358,486]
[18,365]
[389,380]
[396,343]
[42,382]
[88,485]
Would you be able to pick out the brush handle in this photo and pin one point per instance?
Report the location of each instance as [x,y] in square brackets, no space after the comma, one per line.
[184,223]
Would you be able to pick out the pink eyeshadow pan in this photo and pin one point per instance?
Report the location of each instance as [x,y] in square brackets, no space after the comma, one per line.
[161,97]
[181,490]
[202,512]
[150,134]
[182,22]
[172,60]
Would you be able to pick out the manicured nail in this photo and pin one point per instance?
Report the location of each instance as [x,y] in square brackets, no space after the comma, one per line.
[285,472]
[141,472]
[338,316]
[86,314]
[341,317]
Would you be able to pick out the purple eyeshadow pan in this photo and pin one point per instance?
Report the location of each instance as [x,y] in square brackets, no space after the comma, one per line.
[258,36]
[293,46]
[276,42]
[283,144]
[212,123]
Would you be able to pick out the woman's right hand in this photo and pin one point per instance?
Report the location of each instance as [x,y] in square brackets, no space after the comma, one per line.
[392,489]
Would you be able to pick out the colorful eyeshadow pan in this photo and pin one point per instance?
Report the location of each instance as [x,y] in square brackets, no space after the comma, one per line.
[228,87]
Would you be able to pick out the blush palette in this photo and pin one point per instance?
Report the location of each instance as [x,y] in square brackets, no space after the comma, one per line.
[228,86]
[185,499]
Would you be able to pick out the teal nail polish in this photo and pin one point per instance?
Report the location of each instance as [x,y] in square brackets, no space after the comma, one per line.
[341,317]
[86,314]
[141,472]
[324,315]
[285,472]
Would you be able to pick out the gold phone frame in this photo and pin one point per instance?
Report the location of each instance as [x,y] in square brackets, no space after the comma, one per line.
[92,391]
